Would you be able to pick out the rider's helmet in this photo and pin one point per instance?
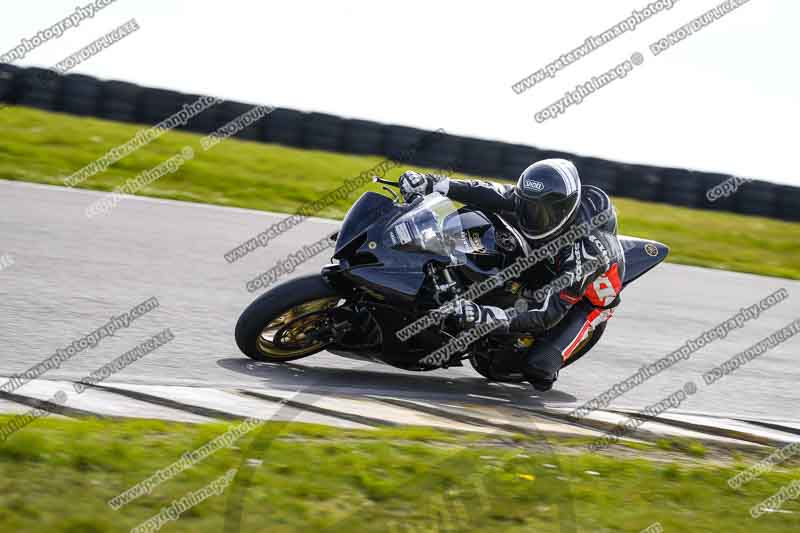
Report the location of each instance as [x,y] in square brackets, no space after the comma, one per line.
[546,198]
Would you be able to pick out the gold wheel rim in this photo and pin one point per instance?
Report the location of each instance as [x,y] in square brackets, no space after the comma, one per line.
[298,333]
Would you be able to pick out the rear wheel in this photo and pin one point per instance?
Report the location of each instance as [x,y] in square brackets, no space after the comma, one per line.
[484,366]
[285,323]
[587,344]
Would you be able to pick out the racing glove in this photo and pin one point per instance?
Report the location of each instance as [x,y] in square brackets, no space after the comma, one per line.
[413,184]
[468,314]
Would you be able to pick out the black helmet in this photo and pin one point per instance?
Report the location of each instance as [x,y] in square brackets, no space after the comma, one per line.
[546,198]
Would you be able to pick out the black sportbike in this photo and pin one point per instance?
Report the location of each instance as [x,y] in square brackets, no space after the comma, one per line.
[393,263]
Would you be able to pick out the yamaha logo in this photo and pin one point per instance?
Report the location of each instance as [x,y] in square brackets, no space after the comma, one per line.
[533,185]
[651,249]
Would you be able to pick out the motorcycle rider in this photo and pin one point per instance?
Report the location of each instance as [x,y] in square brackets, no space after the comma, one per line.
[547,200]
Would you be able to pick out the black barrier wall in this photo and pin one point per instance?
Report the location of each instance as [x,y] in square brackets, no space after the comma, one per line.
[127,102]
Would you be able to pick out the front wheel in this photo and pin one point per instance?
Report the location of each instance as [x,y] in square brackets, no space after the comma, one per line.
[284,323]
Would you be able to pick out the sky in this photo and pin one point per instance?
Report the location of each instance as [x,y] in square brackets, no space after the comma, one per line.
[725,99]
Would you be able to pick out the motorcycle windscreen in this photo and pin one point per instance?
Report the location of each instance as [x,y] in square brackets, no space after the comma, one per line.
[367,209]
[432,226]
[478,232]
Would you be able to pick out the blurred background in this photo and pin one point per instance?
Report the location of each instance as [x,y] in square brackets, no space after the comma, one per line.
[724,100]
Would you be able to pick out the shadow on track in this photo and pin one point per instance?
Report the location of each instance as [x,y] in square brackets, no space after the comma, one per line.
[411,385]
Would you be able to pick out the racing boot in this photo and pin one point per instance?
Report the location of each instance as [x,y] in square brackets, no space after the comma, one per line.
[541,366]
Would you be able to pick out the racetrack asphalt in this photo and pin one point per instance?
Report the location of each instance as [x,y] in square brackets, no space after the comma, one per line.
[70,274]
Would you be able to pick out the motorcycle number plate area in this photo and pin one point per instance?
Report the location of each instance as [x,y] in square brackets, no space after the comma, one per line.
[401,232]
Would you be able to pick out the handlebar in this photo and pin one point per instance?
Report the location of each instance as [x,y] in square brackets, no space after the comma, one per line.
[376,179]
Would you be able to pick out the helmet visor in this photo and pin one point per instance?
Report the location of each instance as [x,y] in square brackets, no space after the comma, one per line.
[541,218]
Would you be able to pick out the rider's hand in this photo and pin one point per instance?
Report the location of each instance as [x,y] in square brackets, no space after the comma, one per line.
[413,184]
[468,314]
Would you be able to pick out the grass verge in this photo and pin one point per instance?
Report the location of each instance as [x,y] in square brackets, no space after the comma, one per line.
[46,147]
[58,475]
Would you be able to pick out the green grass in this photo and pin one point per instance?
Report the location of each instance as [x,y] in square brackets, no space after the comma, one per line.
[46,147]
[57,475]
